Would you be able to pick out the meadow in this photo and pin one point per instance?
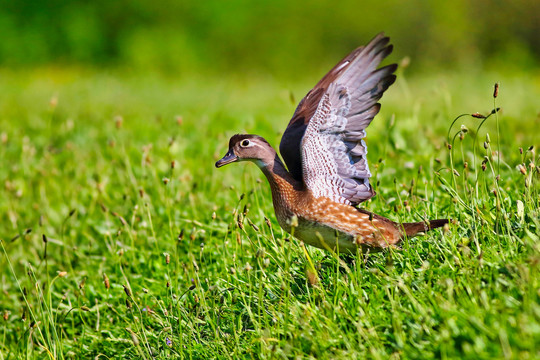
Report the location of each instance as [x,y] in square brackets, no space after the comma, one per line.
[119,238]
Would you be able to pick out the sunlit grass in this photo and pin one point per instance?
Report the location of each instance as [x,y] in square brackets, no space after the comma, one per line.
[121,239]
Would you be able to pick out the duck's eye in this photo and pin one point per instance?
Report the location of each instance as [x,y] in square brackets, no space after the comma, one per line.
[245,143]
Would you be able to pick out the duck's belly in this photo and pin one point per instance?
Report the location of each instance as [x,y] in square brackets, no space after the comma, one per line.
[327,237]
[343,239]
[324,237]
[316,234]
[345,231]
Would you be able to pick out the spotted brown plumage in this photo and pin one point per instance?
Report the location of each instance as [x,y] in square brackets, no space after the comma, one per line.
[323,148]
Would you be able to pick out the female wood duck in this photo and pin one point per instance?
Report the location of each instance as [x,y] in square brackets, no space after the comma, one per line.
[328,175]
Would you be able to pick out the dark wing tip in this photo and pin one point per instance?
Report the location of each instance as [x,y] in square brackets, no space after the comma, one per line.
[380,40]
[390,77]
[379,36]
[389,80]
[391,68]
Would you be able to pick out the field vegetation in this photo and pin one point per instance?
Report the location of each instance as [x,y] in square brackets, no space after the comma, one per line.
[121,239]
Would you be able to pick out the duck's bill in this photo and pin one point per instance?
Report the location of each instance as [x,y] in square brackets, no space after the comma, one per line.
[227,159]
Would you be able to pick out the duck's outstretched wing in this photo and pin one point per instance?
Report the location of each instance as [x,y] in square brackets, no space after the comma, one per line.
[292,137]
[329,135]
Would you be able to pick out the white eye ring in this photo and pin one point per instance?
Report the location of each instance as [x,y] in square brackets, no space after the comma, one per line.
[245,143]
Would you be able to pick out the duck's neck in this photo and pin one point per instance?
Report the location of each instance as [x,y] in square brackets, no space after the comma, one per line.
[278,176]
[286,191]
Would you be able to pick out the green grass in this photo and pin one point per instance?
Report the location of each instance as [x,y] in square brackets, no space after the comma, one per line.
[108,251]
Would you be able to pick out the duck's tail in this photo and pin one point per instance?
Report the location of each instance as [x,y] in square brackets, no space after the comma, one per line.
[412,229]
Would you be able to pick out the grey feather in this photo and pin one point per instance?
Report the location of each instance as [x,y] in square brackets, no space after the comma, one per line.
[334,162]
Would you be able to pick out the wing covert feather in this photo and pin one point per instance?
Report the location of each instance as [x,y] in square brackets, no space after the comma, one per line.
[329,144]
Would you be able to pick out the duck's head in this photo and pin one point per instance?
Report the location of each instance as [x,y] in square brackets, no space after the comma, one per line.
[248,147]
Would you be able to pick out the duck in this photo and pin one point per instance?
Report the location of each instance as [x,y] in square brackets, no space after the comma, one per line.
[324,175]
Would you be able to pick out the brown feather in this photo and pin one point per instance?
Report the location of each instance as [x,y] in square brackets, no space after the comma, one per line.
[413,229]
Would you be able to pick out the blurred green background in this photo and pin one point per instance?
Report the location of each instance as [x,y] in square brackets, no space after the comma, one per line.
[236,36]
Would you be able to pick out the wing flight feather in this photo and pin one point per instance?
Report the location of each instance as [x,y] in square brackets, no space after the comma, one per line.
[331,145]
